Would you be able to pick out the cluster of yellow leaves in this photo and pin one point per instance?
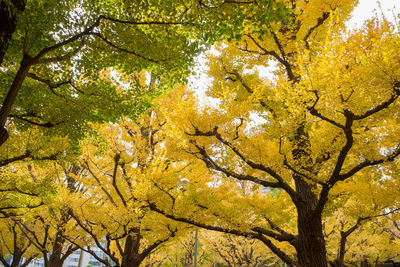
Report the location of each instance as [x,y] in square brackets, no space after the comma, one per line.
[340,70]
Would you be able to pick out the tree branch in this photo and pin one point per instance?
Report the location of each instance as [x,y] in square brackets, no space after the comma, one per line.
[5,162]
[316,113]
[97,34]
[395,95]
[320,21]
[99,183]
[26,155]
[145,252]
[207,159]
[44,124]
[62,57]
[114,179]
[345,149]
[368,163]
[46,50]
[283,236]
[212,164]
[284,61]
[250,91]
[283,256]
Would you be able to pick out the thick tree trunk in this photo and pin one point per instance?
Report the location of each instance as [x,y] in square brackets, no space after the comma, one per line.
[311,250]
[132,257]
[56,259]
[8,22]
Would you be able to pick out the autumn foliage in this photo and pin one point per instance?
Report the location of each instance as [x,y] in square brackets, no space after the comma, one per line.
[297,165]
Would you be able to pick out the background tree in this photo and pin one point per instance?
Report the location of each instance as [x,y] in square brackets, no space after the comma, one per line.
[47,226]
[239,251]
[16,249]
[350,230]
[120,171]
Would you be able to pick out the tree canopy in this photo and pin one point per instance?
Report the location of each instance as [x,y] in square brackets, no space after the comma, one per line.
[68,56]
[110,147]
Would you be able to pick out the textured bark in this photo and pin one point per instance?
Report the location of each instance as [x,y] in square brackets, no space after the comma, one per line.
[310,245]
[311,250]
[56,258]
[8,23]
[132,257]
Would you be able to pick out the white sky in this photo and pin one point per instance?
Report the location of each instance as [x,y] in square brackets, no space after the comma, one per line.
[368,8]
[364,10]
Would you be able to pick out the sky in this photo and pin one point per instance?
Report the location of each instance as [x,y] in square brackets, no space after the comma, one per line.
[367,8]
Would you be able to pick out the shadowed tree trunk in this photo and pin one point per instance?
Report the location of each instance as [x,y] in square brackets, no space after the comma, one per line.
[311,251]
[132,257]
[57,258]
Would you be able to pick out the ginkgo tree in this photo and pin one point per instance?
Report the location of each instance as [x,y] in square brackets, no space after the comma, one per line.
[48,226]
[36,214]
[60,60]
[327,117]
[123,165]
[351,222]
[15,245]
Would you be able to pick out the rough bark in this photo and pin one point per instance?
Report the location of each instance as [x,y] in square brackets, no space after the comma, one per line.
[132,257]
[311,250]
[310,245]
[8,23]
[56,258]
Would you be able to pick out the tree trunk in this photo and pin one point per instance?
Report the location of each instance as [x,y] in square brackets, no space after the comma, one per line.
[23,70]
[342,249]
[310,247]
[311,251]
[55,259]
[16,257]
[8,22]
[132,257]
